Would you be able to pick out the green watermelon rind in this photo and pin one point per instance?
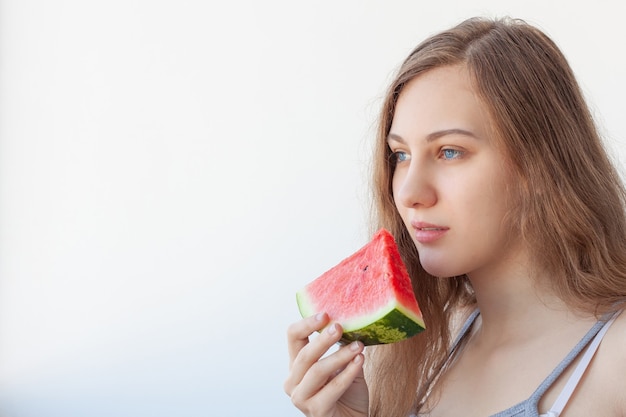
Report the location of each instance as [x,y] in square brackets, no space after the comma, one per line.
[391,323]
[393,327]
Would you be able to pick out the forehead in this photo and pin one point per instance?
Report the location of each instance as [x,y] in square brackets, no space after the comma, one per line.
[439,99]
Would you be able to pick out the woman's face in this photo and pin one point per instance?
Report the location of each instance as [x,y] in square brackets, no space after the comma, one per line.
[450,183]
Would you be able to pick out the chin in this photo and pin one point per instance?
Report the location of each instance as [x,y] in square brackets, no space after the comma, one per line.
[442,269]
[440,273]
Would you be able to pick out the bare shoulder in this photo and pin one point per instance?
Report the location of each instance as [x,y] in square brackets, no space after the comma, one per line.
[601,390]
[611,363]
[613,347]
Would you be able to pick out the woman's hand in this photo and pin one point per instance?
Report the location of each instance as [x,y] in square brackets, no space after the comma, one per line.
[325,386]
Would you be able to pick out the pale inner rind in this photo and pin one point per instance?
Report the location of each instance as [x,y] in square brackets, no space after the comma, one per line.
[306,310]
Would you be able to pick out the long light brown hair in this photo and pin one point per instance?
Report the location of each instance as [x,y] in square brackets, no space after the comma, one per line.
[571,209]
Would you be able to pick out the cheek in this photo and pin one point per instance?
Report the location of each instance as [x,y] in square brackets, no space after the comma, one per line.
[476,204]
[493,205]
[463,193]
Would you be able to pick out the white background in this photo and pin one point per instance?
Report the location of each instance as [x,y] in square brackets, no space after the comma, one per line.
[171,172]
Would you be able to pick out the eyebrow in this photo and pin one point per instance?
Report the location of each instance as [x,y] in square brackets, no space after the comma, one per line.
[434,135]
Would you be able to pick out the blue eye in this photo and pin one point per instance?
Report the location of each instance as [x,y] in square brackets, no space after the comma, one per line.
[451,153]
[399,156]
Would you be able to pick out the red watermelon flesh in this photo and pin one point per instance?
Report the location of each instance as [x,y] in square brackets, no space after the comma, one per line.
[369,294]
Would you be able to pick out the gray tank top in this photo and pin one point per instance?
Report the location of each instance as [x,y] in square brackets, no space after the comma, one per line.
[528,407]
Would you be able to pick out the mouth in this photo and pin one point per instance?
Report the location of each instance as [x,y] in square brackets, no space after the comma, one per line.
[427,226]
[427,232]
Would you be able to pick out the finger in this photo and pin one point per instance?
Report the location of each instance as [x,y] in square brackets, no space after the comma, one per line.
[316,349]
[322,385]
[336,387]
[311,353]
[337,392]
[298,333]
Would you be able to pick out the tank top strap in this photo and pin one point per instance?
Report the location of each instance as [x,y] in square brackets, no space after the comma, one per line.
[573,354]
[451,356]
[452,352]
[464,330]
[574,379]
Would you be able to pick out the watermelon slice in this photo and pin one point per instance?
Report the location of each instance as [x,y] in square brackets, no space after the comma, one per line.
[369,294]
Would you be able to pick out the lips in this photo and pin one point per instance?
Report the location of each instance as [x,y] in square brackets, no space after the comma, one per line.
[428,232]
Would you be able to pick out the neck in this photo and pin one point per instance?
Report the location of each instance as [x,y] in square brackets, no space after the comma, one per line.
[516,304]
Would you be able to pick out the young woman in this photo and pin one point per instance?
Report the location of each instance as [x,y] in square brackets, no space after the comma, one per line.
[491,175]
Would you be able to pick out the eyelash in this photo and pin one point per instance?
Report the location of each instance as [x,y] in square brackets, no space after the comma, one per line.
[401,156]
[457,153]
[396,155]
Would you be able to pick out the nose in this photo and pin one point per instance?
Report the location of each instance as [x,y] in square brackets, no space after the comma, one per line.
[413,187]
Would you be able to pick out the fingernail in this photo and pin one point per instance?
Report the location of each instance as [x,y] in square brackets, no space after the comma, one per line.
[332,329]
[319,316]
[355,346]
